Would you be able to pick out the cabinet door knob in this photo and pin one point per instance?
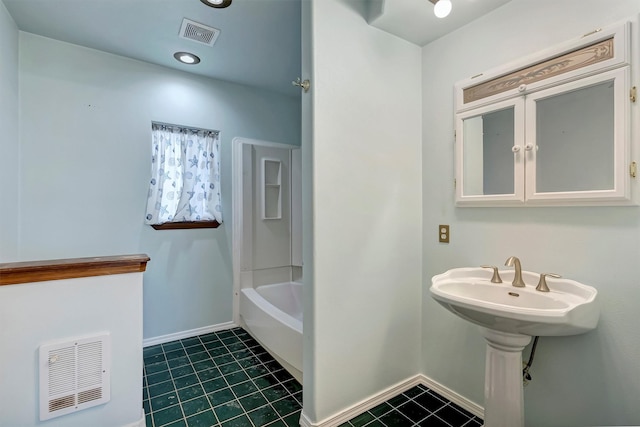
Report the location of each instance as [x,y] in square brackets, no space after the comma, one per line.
[515,148]
[528,147]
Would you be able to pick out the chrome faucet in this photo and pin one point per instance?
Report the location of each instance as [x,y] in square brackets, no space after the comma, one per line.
[517,277]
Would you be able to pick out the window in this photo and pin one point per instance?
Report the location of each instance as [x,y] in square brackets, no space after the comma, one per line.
[184,190]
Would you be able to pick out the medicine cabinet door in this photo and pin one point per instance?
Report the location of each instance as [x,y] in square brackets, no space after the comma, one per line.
[490,155]
[579,133]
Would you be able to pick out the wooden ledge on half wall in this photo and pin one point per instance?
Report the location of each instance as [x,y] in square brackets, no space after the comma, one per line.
[14,273]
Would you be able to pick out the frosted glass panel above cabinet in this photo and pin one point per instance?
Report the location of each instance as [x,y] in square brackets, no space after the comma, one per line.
[600,50]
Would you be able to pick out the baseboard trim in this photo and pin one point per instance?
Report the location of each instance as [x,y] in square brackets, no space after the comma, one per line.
[454,397]
[187,334]
[375,400]
[140,423]
[362,406]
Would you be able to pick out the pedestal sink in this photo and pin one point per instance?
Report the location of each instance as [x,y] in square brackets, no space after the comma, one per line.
[509,317]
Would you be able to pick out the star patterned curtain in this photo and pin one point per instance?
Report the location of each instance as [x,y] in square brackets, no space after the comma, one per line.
[185,175]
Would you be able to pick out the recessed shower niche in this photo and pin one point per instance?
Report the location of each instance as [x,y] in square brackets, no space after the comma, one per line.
[271,189]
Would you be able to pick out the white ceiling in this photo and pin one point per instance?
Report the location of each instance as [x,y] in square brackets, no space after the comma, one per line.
[259,42]
[413,20]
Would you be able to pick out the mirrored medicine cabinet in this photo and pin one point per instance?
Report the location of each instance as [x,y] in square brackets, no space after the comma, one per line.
[552,129]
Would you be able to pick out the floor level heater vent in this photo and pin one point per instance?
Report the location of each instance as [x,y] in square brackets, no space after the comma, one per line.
[74,375]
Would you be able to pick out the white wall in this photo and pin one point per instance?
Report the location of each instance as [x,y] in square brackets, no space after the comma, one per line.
[364,316]
[9,170]
[33,314]
[310,398]
[85,148]
[591,379]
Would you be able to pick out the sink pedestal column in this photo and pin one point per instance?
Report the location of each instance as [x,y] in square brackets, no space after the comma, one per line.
[503,392]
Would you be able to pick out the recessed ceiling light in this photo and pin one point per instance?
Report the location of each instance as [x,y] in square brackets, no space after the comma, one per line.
[218,4]
[186,58]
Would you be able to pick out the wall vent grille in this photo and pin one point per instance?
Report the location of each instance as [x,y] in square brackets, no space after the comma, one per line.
[74,375]
[197,32]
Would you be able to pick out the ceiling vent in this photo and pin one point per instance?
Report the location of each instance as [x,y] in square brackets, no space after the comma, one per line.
[197,32]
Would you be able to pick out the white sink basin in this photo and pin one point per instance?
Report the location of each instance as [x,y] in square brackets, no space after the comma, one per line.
[569,308]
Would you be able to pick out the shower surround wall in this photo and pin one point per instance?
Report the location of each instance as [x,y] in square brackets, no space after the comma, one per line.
[267,204]
[267,252]
[599,246]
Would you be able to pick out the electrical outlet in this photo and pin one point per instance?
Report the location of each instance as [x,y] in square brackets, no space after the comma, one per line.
[443,233]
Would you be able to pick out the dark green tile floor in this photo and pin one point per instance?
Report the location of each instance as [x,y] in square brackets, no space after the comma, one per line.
[226,379]
[418,406]
[221,379]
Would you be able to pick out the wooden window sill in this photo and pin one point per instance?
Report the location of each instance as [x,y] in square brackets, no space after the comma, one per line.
[14,273]
[186,225]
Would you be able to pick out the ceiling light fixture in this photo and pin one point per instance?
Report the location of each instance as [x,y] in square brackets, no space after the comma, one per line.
[218,4]
[186,58]
[441,8]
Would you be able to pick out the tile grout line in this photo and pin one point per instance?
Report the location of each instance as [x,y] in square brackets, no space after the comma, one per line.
[239,346]
[190,362]
[173,380]
[146,380]
[259,390]
[151,411]
[174,387]
[429,412]
[223,376]
[255,352]
[270,371]
[229,385]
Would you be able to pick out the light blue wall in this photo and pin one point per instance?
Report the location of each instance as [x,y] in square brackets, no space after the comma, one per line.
[364,304]
[591,379]
[85,149]
[9,171]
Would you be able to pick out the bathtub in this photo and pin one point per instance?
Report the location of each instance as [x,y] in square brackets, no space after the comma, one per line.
[273,315]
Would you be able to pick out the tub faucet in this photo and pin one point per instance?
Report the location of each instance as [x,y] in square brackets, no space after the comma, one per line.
[517,277]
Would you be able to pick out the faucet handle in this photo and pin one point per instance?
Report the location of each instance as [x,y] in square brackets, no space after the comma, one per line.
[496,276]
[542,283]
